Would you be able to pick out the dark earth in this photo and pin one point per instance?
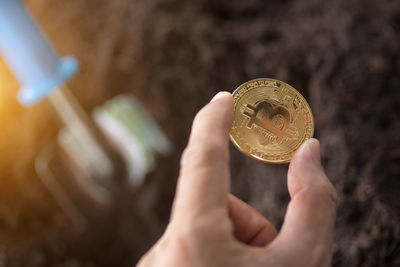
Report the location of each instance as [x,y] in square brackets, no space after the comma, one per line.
[342,55]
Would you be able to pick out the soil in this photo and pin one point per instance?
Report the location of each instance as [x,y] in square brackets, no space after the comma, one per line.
[342,55]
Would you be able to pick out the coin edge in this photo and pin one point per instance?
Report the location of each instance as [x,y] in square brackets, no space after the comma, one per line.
[294,151]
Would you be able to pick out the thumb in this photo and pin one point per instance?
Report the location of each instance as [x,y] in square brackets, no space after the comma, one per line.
[307,231]
[305,170]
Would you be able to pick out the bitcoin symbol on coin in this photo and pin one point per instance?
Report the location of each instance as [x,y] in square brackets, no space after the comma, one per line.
[271,120]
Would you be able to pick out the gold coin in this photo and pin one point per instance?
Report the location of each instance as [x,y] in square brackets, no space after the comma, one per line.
[271,120]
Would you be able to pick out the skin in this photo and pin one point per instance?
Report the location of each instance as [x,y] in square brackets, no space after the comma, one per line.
[210,227]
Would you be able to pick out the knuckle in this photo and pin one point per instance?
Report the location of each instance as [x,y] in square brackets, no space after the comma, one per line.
[200,227]
[187,154]
[193,154]
[328,193]
[210,227]
[324,193]
[203,154]
[333,195]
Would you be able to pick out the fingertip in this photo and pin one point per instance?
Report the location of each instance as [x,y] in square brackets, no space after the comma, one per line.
[221,95]
[219,110]
[306,159]
[309,151]
[305,168]
[215,116]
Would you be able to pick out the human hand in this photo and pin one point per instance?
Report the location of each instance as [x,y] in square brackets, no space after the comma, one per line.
[210,227]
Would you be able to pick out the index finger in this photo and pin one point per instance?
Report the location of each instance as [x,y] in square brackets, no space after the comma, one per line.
[203,183]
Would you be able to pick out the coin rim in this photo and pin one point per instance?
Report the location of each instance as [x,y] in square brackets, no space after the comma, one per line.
[261,159]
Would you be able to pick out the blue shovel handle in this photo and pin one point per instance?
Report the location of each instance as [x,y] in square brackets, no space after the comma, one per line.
[31,58]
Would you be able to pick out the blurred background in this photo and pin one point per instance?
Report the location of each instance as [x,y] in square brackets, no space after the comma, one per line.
[173,56]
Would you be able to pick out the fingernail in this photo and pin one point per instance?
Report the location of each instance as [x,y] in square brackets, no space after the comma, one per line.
[219,95]
[314,146]
[310,150]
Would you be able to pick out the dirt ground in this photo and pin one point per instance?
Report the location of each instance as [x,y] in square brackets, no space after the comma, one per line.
[342,55]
